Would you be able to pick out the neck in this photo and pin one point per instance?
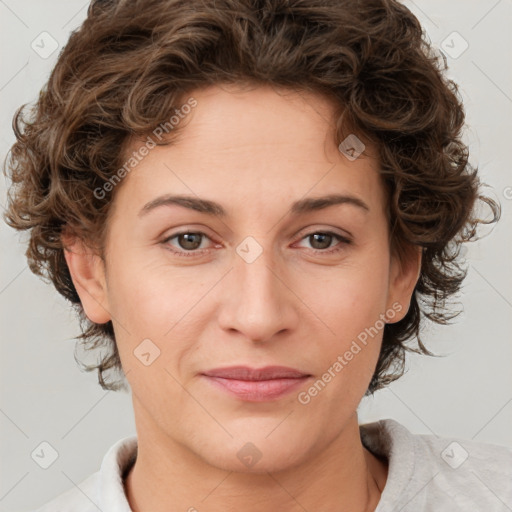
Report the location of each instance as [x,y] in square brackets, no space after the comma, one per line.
[342,477]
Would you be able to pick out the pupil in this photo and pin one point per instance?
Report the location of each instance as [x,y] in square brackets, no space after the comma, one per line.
[189,242]
[322,237]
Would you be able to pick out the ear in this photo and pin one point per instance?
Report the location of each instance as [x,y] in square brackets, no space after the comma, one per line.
[404,273]
[88,275]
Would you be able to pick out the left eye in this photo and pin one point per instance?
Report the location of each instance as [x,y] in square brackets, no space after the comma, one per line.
[323,240]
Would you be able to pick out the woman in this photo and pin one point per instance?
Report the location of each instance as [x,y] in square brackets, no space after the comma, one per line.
[254,207]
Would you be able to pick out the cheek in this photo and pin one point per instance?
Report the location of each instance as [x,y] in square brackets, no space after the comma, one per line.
[141,304]
[147,291]
[350,303]
[150,300]
[350,350]
[351,299]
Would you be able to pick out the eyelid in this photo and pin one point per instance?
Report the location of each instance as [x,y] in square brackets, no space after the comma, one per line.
[343,240]
[315,228]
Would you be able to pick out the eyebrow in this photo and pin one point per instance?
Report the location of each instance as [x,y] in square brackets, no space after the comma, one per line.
[299,207]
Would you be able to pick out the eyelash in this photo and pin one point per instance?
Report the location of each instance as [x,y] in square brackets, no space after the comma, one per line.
[198,252]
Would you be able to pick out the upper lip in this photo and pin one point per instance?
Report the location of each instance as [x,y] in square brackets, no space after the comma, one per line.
[248,373]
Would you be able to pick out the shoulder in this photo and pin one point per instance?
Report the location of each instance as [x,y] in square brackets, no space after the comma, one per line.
[428,473]
[469,474]
[104,489]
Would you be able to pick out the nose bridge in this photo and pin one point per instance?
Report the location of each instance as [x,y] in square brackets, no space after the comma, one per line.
[258,303]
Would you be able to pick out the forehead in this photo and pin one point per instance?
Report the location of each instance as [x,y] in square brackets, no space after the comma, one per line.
[232,116]
[260,144]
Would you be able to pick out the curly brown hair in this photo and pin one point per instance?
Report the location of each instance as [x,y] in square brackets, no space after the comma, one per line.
[132,61]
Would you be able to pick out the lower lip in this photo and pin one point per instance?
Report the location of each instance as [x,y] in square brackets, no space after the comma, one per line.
[257,391]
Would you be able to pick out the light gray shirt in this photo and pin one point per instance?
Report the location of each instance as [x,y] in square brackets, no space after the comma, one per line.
[426,474]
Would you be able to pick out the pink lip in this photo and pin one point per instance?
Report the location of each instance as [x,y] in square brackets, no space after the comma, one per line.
[247,373]
[257,385]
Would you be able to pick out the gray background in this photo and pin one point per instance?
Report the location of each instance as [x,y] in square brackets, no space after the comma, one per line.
[467,394]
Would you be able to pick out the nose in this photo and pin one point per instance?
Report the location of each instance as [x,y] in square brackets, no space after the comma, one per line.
[258,302]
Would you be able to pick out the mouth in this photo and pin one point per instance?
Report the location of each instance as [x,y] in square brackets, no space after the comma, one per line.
[256,385]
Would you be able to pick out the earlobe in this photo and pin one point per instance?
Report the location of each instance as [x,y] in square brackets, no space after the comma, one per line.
[88,276]
[404,274]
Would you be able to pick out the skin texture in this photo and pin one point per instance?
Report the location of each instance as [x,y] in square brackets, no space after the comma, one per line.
[254,152]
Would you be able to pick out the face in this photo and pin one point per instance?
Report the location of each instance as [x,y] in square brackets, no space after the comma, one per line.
[264,283]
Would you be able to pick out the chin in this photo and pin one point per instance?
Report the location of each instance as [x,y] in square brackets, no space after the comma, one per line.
[256,454]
